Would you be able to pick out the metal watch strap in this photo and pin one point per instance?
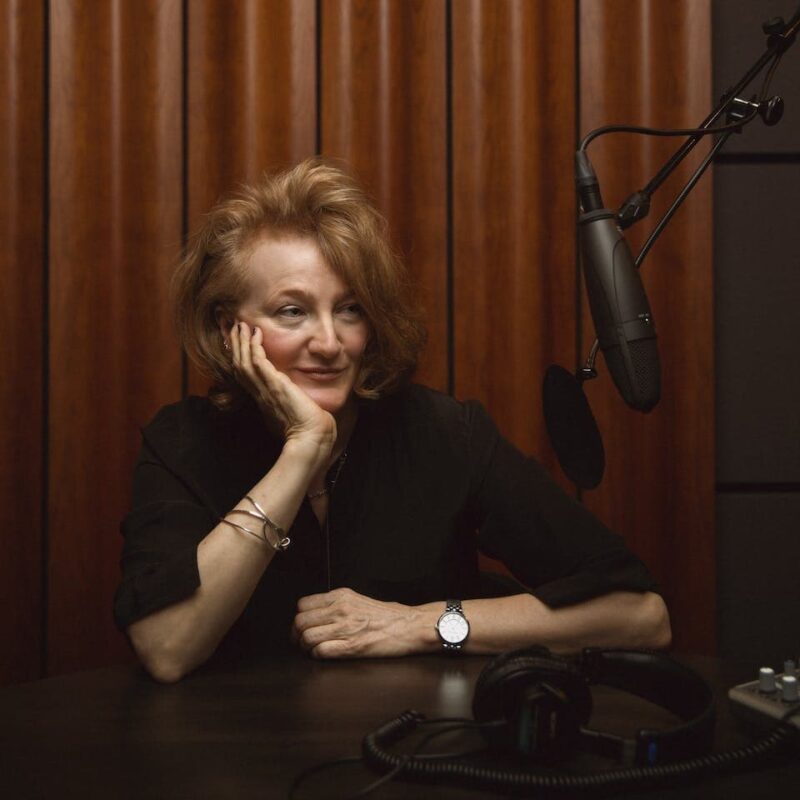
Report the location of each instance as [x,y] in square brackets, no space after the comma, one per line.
[453,605]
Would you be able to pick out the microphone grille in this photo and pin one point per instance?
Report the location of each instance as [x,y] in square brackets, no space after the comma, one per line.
[646,373]
[641,386]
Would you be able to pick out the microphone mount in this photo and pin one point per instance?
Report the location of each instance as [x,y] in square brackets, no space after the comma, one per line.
[771,111]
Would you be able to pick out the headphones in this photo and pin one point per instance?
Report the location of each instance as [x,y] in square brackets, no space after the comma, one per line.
[540,703]
[534,704]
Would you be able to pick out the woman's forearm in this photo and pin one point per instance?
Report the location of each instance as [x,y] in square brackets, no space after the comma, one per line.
[345,624]
[176,639]
[618,619]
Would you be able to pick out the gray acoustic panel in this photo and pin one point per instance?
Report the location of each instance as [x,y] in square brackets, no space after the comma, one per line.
[758,580]
[757,327]
[738,42]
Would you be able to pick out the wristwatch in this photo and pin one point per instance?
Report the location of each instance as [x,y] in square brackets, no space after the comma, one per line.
[452,627]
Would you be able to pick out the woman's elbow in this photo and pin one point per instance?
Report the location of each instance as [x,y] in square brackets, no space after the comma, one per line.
[164,670]
[656,625]
[160,661]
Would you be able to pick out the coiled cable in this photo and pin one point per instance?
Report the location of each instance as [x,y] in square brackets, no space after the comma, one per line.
[520,780]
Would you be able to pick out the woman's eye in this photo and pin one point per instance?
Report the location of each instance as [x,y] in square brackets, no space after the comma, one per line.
[352,310]
[290,312]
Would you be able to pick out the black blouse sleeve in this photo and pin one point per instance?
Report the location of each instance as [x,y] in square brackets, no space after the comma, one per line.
[549,541]
[162,531]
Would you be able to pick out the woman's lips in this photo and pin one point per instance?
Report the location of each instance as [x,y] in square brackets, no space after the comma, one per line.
[322,374]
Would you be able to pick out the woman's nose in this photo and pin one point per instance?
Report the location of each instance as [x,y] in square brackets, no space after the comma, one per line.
[325,340]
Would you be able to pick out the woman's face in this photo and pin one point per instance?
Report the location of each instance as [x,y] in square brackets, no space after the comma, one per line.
[314,330]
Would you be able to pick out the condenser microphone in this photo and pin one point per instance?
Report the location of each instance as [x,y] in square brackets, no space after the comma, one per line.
[620,311]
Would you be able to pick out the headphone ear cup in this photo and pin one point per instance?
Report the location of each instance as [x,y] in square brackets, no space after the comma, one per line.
[537,701]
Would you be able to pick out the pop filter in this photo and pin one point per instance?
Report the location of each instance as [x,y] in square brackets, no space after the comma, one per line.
[572,428]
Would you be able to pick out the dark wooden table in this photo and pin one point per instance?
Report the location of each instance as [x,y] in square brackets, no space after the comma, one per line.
[247,732]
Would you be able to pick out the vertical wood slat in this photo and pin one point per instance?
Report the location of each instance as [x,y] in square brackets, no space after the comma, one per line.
[649,63]
[514,258]
[252,97]
[115,227]
[21,336]
[384,114]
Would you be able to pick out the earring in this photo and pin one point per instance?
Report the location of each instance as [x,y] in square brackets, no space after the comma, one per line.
[226,344]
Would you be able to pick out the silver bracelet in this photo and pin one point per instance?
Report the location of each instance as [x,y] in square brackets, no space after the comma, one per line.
[241,528]
[283,541]
[280,544]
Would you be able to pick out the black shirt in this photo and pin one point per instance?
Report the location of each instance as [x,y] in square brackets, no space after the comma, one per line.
[427,482]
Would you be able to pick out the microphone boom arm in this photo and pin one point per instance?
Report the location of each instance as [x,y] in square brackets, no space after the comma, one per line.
[781,37]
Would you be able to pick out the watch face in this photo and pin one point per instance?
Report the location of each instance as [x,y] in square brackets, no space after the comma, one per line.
[453,627]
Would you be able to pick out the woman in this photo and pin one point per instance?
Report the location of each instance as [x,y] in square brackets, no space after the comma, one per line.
[319,497]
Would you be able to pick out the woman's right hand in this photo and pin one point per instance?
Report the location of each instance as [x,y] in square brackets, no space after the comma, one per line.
[299,417]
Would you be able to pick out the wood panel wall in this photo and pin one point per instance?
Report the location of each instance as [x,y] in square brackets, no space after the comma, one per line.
[659,485]
[123,122]
[513,207]
[22,334]
[115,228]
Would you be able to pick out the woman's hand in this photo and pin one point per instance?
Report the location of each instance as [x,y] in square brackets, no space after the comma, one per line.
[298,416]
[345,624]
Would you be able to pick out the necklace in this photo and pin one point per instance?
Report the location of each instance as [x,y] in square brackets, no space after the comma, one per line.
[339,464]
[327,489]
